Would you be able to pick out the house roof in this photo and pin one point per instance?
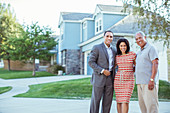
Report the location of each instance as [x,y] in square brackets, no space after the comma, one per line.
[75,16]
[129,25]
[110,8]
[81,16]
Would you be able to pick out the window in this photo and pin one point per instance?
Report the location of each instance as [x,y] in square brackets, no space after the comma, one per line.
[98,26]
[62,37]
[61,33]
[64,57]
[61,30]
[84,25]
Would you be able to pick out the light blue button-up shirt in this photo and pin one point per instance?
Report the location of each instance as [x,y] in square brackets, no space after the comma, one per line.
[110,54]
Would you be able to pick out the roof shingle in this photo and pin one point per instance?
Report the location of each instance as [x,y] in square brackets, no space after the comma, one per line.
[110,8]
[75,16]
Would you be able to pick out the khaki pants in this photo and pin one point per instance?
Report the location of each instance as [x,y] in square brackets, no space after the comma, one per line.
[148,99]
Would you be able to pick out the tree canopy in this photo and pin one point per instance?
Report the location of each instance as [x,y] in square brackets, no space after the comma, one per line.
[9,27]
[35,43]
[154,13]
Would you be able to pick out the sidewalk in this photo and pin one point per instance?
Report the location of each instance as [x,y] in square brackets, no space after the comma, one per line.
[9,104]
[31,105]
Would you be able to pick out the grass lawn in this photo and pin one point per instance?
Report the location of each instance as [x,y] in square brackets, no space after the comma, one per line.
[79,89]
[5,74]
[5,89]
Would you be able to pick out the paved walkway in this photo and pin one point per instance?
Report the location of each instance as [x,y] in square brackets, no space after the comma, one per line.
[9,104]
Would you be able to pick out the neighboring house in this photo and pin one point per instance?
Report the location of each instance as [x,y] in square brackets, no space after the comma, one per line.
[54,57]
[44,64]
[79,32]
[41,65]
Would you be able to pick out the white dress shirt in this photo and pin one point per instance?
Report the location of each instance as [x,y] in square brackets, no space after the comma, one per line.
[110,54]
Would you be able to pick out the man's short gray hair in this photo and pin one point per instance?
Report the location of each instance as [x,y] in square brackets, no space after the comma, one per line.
[142,33]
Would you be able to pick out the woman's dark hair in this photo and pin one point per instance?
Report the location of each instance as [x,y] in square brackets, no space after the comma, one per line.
[118,43]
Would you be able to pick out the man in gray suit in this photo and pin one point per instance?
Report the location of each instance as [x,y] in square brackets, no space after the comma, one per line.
[101,60]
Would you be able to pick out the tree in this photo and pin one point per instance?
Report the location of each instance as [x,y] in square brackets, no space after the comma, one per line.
[9,27]
[154,13]
[34,44]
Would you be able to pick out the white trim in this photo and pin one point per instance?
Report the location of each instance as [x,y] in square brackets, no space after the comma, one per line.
[85,25]
[85,61]
[61,31]
[57,39]
[59,52]
[60,20]
[99,24]
[73,21]
[53,51]
[64,57]
[116,13]
[81,32]
[101,36]
[91,40]
[124,34]
[78,21]
[96,26]
[85,19]
[97,11]
[96,14]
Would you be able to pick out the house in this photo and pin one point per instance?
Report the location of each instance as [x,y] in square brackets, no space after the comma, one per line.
[43,65]
[54,51]
[79,32]
[1,63]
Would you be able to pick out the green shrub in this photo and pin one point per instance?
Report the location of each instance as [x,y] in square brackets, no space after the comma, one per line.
[55,68]
[164,89]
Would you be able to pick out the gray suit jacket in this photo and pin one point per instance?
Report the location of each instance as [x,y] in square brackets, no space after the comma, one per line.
[99,60]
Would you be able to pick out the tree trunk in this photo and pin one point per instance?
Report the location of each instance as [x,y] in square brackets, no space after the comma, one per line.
[33,67]
[9,68]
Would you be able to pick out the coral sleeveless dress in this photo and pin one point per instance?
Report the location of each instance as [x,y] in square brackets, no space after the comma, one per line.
[124,79]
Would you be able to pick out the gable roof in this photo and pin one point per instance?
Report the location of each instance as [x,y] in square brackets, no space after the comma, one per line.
[75,16]
[110,8]
[129,25]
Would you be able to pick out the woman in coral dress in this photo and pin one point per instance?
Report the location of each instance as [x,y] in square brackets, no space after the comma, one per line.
[124,79]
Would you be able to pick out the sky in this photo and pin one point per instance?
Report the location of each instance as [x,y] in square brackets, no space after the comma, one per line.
[47,12]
